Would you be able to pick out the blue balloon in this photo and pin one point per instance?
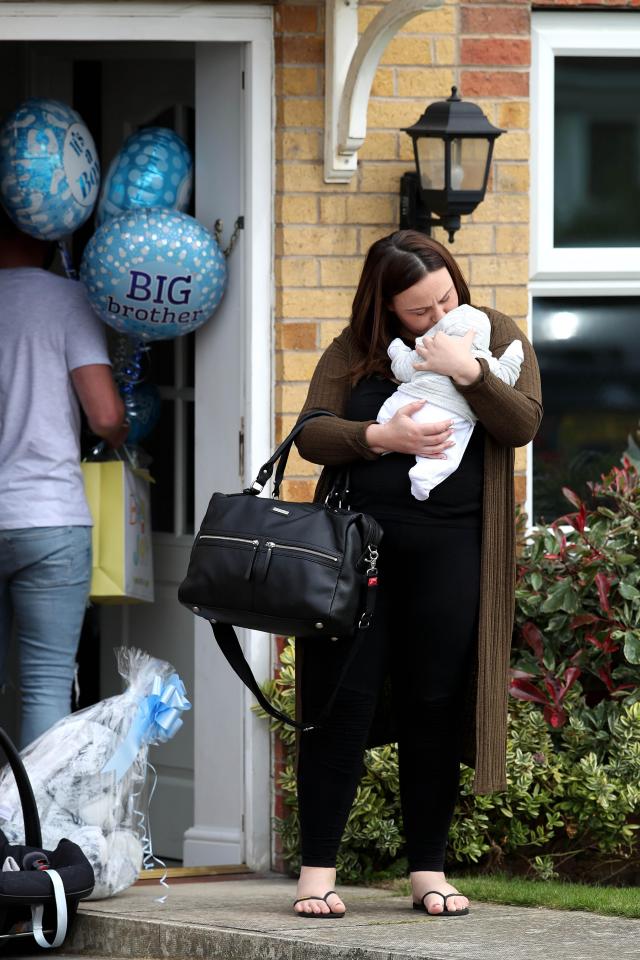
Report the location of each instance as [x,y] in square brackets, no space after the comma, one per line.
[49,169]
[154,274]
[143,406]
[152,169]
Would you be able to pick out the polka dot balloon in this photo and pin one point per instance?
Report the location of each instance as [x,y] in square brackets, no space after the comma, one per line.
[152,169]
[154,274]
[49,169]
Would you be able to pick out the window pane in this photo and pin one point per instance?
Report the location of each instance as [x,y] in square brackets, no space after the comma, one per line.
[190,356]
[189,481]
[431,159]
[160,445]
[589,355]
[597,152]
[161,363]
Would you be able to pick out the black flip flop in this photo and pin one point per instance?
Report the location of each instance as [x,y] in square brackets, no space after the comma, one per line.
[445,913]
[319,916]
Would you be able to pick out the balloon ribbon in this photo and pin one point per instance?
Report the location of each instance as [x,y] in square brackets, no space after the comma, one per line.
[156,721]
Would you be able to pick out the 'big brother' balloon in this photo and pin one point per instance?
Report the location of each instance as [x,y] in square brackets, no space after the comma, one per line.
[154,274]
[152,169]
[49,169]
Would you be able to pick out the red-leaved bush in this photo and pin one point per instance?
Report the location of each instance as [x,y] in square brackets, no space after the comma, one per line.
[578,600]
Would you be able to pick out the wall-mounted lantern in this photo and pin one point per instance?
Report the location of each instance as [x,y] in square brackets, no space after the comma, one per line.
[453,145]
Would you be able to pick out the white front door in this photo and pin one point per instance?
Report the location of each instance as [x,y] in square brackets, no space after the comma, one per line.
[213,784]
[144,84]
[231,746]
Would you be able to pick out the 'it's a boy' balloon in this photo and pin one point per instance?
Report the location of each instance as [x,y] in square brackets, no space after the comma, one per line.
[152,169]
[154,274]
[49,169]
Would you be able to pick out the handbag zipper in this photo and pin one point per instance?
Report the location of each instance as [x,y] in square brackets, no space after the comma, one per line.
[269,544]
[254,543]
[217,536]
[270,547]
[263,564]
[287,546]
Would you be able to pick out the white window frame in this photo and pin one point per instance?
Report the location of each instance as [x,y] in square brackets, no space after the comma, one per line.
[567,34]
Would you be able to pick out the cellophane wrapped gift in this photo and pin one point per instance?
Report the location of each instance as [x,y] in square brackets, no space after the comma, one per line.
[88,772]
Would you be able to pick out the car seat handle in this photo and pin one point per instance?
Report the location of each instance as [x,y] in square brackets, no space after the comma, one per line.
[32,831]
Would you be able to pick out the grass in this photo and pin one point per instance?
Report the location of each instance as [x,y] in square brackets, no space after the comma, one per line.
[553,894]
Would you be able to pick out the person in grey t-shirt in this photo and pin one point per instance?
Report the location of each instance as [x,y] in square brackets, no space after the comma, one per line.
[53,357]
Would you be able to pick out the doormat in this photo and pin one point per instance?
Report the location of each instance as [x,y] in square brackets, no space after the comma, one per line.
[219,871]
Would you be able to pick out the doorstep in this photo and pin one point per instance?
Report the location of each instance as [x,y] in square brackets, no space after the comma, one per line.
[251,919]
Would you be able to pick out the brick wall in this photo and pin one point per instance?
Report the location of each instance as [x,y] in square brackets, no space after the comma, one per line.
[324,230]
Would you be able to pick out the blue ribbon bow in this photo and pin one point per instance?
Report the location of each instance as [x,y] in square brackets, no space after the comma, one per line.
[156,721]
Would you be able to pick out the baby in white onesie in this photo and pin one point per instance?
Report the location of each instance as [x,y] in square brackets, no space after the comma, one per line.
[444,401]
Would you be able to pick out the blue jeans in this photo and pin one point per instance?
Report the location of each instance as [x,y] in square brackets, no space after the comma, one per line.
[45,573]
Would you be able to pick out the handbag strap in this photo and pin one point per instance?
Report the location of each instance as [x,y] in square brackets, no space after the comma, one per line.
[227,640]
[338,495]
[281,454]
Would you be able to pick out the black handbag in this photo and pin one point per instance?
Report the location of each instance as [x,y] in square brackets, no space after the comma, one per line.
[39,894]
[301,569]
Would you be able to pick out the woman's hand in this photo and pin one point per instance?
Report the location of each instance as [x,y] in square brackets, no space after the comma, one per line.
[401,434]
[450,356]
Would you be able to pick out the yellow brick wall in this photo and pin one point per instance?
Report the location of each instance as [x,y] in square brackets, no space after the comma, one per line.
[323,230]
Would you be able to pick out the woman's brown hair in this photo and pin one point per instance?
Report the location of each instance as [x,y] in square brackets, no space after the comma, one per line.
[393,264]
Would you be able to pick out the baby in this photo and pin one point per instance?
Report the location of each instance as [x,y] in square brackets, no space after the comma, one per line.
[444,401]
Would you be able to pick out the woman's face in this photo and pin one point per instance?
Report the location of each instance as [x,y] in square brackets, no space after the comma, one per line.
[418,308]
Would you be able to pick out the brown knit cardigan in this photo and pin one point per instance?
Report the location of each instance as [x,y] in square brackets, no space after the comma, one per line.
[511,417]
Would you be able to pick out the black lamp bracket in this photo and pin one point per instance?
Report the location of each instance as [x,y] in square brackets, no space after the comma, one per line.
[413,213]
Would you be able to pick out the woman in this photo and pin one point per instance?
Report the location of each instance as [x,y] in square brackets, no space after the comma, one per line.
[432,672]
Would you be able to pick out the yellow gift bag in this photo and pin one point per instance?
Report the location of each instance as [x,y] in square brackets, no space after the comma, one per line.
[118,497]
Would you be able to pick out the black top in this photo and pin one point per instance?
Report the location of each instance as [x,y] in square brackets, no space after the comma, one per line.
[382,487]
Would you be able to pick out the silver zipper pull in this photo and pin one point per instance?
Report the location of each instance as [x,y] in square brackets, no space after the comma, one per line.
[256,544]
[269,545]
[261,574]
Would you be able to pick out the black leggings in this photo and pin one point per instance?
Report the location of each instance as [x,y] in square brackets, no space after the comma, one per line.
[424,637]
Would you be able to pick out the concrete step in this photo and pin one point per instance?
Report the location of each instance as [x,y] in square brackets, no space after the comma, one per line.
[252,920]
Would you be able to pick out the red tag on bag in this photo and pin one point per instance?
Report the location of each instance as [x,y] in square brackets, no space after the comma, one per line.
[373,582]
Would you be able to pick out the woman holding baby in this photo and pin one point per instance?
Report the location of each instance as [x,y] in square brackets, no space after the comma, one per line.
[427,430]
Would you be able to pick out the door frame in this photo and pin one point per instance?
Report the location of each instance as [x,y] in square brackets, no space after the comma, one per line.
[249,24]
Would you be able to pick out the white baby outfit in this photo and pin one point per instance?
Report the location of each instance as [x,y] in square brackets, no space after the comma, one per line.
[444,400]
